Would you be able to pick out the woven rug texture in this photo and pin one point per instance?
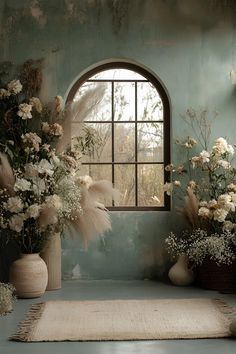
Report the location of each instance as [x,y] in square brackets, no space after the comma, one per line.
[125,320]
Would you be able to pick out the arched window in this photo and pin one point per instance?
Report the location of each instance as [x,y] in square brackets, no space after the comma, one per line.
[130,128]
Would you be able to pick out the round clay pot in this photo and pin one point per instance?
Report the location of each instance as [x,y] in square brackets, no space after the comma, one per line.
[29,276]
[179,274]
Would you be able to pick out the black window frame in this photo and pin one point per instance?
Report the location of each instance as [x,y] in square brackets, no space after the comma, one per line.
[156,82]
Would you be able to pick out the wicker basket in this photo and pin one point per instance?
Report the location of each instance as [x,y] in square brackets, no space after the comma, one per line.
[214,277]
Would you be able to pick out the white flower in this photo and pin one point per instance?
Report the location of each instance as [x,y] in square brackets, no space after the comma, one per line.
[205,212]
[36,103]
[203,203]
[212,204]
[169,168]
[220,214]
[233,198]
[14,87]
[58,104]
[22,184]
[33,211]
[168,188]
[14,205]
[45,167]
[224,199]
[4,93]
[189,144]
[25,111]
[54,129]
[224,164]
[16,222]
[204,155]
[228,226]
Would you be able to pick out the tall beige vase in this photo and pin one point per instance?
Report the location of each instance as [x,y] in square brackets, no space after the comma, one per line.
[29,276]
[52,257]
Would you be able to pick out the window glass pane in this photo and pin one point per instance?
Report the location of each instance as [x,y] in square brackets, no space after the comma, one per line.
[95,142]
[124,101]
[117,74]
[95,98]
[125,183]
[97,173]
[149,103]
[150,142]
[150,185]
[124,142]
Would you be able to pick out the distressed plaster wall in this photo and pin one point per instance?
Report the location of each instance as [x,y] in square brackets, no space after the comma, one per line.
[189,44]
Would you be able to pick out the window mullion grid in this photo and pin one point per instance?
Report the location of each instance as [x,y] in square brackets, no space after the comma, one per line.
[112,134]
[136,143]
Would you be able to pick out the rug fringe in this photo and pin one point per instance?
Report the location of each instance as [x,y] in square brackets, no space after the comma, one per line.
[26,327]
[226,309]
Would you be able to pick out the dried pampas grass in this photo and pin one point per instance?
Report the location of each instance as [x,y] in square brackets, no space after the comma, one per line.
[94,220]
[190,210]
[7,179]
[78,112]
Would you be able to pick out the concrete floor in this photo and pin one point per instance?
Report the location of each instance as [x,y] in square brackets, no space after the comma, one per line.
[88,290]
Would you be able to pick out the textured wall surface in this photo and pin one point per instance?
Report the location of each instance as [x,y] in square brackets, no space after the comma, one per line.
[189,44]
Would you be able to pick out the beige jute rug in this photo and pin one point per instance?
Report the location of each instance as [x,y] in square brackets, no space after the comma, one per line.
[125,320]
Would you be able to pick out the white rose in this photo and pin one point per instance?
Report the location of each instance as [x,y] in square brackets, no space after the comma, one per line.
[36,103]
[224,164]
[204,155]
[14,204]
[224,199]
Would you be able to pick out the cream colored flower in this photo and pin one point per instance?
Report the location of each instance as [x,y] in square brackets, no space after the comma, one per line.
[224,164]
[231,187]
[212,204]
[203,203]
[54,200]
[205,212]
[16,222]
[22,185]
[85,180]
[220,214]
[221,147]
[39,186]
[228,226]
[33,211]
[14,205]
[58,104]
[224,199]
[36,103]
[45,127]
[14,87]
[204,156]
[180,169]
[56,129]
[25,111]
[4,93]
[233,198]
[32,139]
[196,161]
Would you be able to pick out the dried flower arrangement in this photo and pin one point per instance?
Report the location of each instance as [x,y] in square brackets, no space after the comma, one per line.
[209,188]
[40,186]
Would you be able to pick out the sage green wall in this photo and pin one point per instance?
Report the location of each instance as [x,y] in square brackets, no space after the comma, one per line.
[189,44]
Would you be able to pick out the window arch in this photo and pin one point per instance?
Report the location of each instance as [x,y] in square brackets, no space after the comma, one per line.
[130,127]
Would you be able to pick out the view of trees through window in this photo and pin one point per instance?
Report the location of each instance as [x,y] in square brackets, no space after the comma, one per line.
[126,128]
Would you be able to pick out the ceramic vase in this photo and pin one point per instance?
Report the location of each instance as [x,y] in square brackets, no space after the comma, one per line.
[179,274]
[52,257]
[29,276]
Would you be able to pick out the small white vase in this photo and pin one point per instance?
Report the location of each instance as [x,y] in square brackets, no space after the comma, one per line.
[179,274]
[52,257]
[29,276]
